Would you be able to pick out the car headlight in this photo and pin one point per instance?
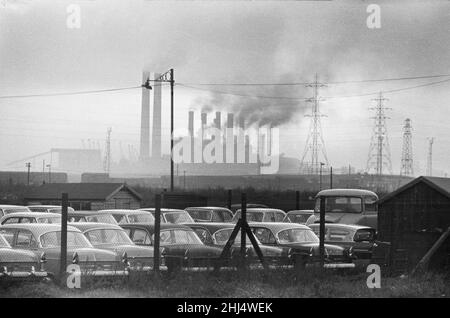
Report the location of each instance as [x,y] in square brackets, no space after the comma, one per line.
[75,258]
[43,258]
[350,252]
[311,252]
[125,259]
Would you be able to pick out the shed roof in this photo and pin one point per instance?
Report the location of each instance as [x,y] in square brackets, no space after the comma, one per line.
[442,185]
[79,191]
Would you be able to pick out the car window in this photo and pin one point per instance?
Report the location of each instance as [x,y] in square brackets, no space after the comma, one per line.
[27,220]
[11,221]
[141,237]
[370,203]
[185,237]
[339,235]
[128,231]
[265,236]
[8,234]
[204,235]
[203,215]
[121,219]
[49,220]
[279,217]
[269,217]
[25,239]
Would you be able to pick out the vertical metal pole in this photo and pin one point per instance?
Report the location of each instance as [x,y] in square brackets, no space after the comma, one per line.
[322,231]
[172,81]
[157,233]
[244,223]
[297,200]
[320,178]
[331,177]
[63,256]
[43,171]
[229,198]
[184,180]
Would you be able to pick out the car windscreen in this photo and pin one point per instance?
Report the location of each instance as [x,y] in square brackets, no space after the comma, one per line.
[74,239]
[299,218]
[251,216]
[49,220]
[144,217]
[108,236]
[222,216]
[202,215]
[101,218]
[178,236]
[297,236]
[340,204]
[221,237]
[178,217]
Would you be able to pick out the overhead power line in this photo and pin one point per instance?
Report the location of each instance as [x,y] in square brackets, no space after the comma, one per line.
[71,93]
[328,83]
[305,99]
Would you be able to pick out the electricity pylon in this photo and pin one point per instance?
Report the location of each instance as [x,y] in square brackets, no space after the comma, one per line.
[407,152]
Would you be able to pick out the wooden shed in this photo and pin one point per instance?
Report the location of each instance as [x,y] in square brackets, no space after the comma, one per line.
[87,196]
[413,218]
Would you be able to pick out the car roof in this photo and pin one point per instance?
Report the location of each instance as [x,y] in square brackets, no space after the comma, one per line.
[151,226]
[84,226]
[162,210]
[83,213]
[342,226]
[44,206]
[38,228]
[208,208]
[346,192]
[211,226]
[278,226]
[120,211]
[32,214]
[300,212]
[11,206]
[262,210]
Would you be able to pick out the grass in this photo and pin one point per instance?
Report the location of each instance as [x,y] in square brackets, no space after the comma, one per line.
[279,283]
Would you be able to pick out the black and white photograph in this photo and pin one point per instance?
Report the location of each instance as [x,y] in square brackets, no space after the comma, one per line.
[224,156]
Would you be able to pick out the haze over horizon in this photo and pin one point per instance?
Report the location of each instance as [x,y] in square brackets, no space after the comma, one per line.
[224,42]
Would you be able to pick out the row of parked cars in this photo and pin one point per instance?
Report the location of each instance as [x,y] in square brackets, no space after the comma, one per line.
[116,242]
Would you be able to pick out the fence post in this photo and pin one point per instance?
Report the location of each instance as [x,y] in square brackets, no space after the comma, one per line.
[322,231]
[244,221]
[156,251]
[229,199]
[63,255]
[297,200]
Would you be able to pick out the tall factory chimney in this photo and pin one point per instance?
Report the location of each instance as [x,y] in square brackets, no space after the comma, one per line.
[191,123]
[144,151]
[247,148]
[191,132]
[217,121]
[230,120]
[203,118]
[156,131]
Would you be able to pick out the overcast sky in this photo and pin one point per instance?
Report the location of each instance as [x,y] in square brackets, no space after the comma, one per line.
[217,42]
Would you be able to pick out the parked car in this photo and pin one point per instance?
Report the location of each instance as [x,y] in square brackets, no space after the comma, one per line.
[46,238]
[237,206]
[210,214]
[181,247]
[48,208]
[174,216]
[302,244]
[360,238]
[20,264]
[7,209]
[91,216]
[113,238]
[130,216]
[347,206]
[218,234]
[298,216]
[31,217]
[261,215]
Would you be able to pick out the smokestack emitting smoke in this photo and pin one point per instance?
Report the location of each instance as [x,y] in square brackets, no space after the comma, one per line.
[156,131]
[191,123]
[144,150]
[217,121]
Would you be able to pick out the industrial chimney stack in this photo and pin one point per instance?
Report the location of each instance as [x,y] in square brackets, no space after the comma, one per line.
[156,131]
[144,151]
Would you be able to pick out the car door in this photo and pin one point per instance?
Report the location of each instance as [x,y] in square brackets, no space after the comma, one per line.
[264,235]
[204,235]
[25,240]
[9,235]
[141,237]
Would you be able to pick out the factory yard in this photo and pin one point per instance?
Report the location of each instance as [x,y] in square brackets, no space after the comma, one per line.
[279,284]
